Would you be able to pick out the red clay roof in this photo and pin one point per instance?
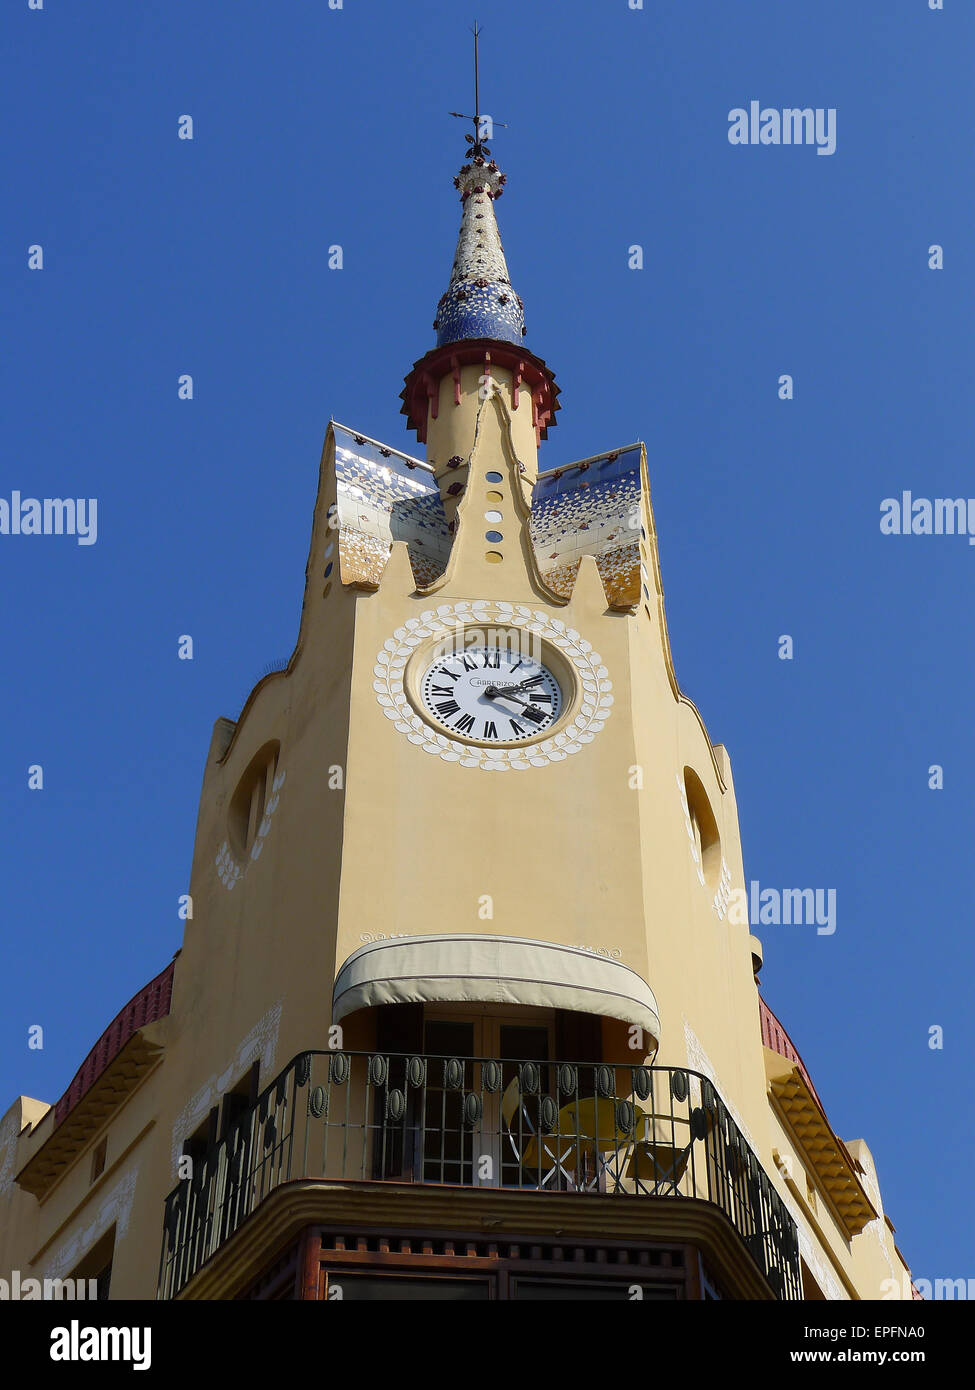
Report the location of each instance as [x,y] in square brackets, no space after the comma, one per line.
[777,1039]
[151,1003]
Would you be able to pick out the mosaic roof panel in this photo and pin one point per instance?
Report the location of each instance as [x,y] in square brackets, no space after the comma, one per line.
[591,508]
[386,496]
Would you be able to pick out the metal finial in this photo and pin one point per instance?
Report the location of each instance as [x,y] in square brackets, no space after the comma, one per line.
[477,147]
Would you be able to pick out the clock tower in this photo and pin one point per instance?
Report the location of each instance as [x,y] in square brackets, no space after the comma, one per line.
[465,1007]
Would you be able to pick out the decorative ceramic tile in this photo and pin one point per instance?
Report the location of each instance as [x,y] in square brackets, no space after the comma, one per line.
[586,508]
[479,302]
[386,496]
[590,508]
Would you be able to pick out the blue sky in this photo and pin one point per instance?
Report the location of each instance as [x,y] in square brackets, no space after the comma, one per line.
[314,127]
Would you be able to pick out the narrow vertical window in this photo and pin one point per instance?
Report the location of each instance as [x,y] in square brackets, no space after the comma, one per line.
[98,1159]
[248,806]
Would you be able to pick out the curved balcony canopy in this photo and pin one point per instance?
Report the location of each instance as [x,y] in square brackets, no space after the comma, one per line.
[478,969]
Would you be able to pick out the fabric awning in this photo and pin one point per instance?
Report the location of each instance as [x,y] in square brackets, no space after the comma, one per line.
[493,970]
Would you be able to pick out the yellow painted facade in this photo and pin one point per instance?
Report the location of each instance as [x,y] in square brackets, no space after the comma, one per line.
[335,812]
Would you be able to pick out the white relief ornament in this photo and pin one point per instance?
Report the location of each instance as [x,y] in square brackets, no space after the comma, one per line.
[228,869]
[519,709]
[115,1207]
[698,1060]
[723,896]
[689,827]
[260,1044]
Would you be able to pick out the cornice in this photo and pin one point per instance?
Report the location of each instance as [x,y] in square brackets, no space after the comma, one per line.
[475,1212]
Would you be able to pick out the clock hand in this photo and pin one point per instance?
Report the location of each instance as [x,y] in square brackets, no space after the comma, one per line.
[532,712]
[494,692]
[522,685]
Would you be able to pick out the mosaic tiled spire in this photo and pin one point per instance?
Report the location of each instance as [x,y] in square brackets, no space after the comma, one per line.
[480,302]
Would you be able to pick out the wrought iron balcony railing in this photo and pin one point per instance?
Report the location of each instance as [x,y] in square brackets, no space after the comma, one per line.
[544,1126]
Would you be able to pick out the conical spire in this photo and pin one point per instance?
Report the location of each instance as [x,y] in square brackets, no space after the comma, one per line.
[480,325]
[479,302]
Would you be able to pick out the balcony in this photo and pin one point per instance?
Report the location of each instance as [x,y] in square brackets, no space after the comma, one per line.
[515,1126]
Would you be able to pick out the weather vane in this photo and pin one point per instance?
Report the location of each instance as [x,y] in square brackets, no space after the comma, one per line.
[477,146]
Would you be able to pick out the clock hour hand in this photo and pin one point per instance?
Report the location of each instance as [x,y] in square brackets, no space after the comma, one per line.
[530,711]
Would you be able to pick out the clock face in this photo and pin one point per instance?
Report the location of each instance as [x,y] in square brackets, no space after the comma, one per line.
[551,695]
[491,694]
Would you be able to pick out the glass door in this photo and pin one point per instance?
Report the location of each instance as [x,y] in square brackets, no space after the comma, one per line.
[467,1137]
[448,1140]
[517,1044]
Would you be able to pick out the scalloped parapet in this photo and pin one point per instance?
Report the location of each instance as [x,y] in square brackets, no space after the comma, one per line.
[591,508]
[385,496]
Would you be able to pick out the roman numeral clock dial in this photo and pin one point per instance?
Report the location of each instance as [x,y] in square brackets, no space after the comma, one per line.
[493,685]
[491,693]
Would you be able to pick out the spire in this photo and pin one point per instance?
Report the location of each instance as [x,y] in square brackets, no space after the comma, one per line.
[480,323]
[479,302]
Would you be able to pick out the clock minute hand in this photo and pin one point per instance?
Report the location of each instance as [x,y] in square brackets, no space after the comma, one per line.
[522,685]
[531,711]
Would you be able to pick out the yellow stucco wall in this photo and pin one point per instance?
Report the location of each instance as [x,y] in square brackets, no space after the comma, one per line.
[590,850]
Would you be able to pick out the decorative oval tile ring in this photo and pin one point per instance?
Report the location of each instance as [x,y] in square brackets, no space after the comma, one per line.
[572,678]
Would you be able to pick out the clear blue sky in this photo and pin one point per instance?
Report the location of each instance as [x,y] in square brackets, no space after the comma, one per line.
[315,127]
